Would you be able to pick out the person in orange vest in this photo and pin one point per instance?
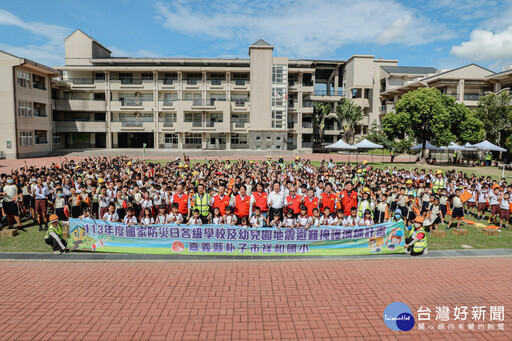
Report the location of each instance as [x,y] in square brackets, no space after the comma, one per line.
[181,198]
[348,198]
[293,202]
[311,201]
[221,200]
[242,203]
[259,199]
[328,199]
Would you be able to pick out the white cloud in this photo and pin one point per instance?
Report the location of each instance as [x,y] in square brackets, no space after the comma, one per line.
[118,52]
[51,52]
[303,28]
[486,45]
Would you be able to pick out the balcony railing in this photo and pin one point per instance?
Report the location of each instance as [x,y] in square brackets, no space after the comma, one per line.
[307,144]
[240,102]
[240,81]
[168,124]
[129,124]
[40,114]
[207,102]
[39,86]
[131,102]
[307,83]
[206,124]
[193,81]
[216,81]
[307,124]
[456,96]
[472,97]
[133,80]
[291,125]
[170,81]
[308,104]
[331,93]
[169,102]
[82,80]
[292,82]
[239,124]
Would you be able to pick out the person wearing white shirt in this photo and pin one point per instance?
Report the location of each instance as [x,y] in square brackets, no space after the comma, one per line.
[40,193]
[130,218]
[257,220]
[111,215]
[276,200]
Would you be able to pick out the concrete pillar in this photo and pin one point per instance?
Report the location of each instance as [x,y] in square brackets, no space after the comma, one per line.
[156,110]
[181,138]
[497,87]
[336,80]
[204,137]
[108,114]
[228,141]
[114,140]
[460,91]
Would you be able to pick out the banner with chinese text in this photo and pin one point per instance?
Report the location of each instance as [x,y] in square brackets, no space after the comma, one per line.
[98,235]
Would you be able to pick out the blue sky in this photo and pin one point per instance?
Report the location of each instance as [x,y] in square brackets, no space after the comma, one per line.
[439,33]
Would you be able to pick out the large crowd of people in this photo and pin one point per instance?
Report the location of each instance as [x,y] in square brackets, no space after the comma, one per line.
[253,194]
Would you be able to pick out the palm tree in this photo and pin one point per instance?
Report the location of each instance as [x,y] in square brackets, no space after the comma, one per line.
[321,113]
[348,115]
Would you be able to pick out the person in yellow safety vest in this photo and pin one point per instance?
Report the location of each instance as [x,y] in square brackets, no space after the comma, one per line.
[269,160]
[202,201]
[438,183]
[488,159]
[359,176]
[392,153]
[455,156]
[365,203]
[53,236]
[416,244]
[409,190]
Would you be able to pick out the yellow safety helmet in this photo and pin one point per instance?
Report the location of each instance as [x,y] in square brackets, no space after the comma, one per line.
[365,162]
[269,157]
[409,182]
[359,171]
[439,171]
[366,190]
[129,163]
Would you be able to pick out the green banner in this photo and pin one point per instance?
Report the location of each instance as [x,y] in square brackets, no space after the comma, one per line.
[100,236]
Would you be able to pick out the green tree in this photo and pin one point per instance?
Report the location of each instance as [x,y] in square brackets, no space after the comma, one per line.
[321,113]
[348,114]
[495,111]
[427,115]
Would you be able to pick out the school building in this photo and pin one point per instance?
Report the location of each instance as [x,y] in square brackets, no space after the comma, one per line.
[262,103]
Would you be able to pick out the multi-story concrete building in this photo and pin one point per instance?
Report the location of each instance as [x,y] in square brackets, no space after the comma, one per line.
[25,102]
[260,103]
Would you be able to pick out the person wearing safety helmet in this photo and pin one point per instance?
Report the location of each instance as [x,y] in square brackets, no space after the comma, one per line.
[416,244]
[439,182]
[409,189]
[54,235]
[366,203]
[397,216]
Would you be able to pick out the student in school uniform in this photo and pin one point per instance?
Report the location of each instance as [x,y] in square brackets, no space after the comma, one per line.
[229,218]
[257,220]
[111,215]
[289,220]
[494,202]
[505,210]
[457,210]
[482,202]
[130,218]
[276,222]
[174,217]
[303,220]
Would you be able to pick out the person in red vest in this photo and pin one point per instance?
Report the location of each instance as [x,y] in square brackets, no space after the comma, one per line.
[311,201]
[328,199]
[221,200]
[348,198]
[181,199]
[242,203]
[293,202]
[259,199]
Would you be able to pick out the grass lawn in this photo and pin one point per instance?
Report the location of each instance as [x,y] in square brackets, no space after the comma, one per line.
[31,240]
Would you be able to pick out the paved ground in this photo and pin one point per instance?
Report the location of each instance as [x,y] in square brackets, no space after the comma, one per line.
[308,300]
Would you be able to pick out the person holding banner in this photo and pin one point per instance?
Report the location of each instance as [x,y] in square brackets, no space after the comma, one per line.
[416,244]
[54,235]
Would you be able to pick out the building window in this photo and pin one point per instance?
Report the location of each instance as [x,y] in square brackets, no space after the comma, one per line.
[56,138]
[169,78]
[41,136]
[193,139]
[23,79]
[24,109]
[40,110]
[147,76]
[126,77]
[171,139]
[38,82]
[258,138]
[99,76]
[194,78]
[278,147]
[278,138]
[239,139]
[217,78]
[26,138]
